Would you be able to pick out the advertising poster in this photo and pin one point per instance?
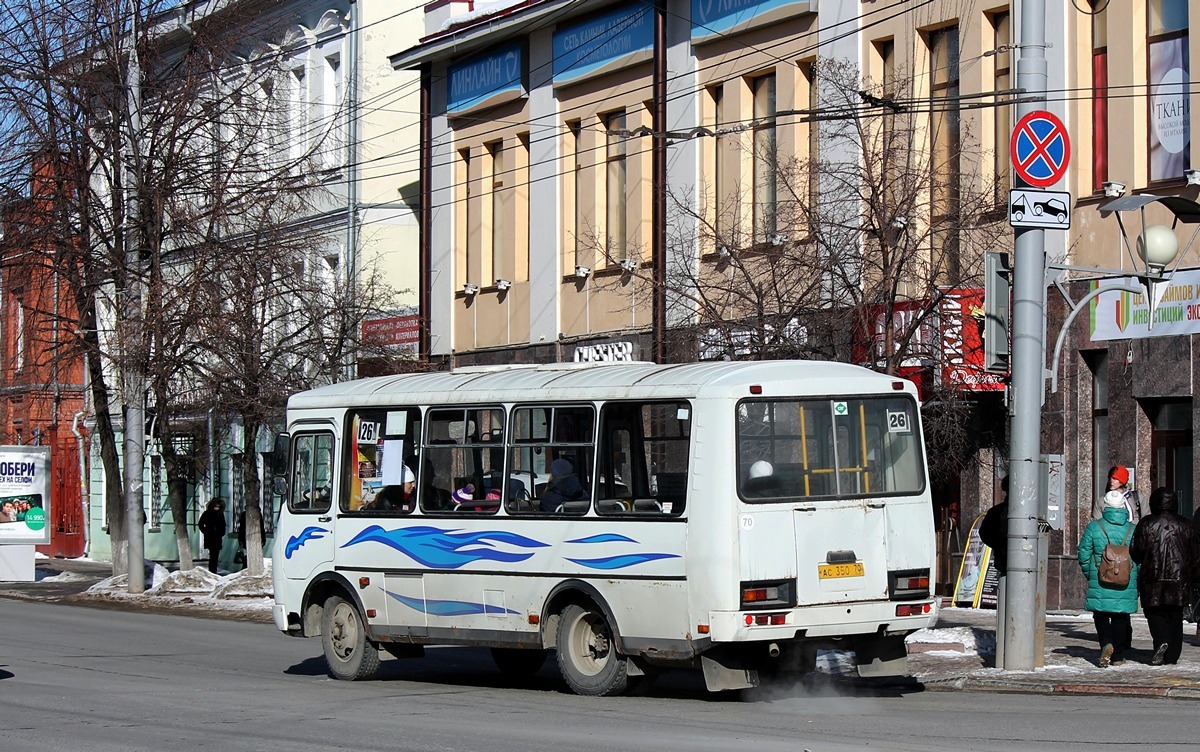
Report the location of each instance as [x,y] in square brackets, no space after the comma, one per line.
[1170,114]
[973,571]
[24,495]
[1119,314]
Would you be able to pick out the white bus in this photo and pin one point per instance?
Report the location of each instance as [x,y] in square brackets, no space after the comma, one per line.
[632,517]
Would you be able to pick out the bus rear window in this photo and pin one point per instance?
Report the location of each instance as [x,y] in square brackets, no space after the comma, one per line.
[835,448]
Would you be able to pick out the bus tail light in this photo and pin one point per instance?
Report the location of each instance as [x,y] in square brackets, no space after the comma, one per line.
[908,584]
[763,620]
[913,609]
[771,594]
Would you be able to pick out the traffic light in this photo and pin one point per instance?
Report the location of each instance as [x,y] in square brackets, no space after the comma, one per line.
[997,304]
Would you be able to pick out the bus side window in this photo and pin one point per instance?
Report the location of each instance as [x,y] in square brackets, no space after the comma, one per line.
[644,458]
[550,459]
[312,473]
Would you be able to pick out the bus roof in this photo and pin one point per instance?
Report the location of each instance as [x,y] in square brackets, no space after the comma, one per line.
[603,381]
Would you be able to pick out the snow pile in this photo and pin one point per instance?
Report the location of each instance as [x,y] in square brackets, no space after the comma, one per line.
[973,642]
[62,577]
[242,585]
[482,10]
[156,574]
[198,580]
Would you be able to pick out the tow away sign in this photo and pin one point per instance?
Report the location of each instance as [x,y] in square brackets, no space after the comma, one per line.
[1046,210]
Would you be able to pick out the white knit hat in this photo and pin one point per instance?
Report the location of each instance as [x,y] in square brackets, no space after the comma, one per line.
[1115,499]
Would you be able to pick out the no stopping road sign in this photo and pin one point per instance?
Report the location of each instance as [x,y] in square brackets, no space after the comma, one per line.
[1040,149]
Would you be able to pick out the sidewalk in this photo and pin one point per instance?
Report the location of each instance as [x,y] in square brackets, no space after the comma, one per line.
[957,654]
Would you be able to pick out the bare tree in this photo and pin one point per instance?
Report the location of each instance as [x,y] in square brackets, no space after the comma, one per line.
[178,188]
[889,216]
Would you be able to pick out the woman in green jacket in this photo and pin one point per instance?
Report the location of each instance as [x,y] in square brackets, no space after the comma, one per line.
[1110,605]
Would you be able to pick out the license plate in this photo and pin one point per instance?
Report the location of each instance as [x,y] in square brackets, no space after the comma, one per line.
[830,571]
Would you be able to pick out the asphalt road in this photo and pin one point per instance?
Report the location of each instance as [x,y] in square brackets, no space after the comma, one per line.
[87,679]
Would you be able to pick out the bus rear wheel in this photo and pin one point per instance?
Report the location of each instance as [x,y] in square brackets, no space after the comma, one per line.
[518,662]
[587,653]
[350,655]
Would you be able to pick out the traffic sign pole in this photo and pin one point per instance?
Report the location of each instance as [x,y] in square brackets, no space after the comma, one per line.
[1028,363]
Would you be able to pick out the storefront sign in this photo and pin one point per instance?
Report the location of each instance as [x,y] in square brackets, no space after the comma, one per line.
[485,81]
[1126,315]
[607,351]
[962,343]
[394,331]
[24,495]
[712,19]
[1170,114]
[604,44]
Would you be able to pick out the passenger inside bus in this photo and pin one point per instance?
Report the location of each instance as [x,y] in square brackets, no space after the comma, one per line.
[762,483]
[564,486]
[397,498]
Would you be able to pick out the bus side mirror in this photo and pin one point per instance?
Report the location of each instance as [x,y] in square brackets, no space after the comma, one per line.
[279,460]
[279,456]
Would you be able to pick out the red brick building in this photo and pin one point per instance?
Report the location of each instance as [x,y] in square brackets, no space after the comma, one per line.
[42,378]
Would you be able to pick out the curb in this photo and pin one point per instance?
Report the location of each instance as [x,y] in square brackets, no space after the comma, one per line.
[959,684]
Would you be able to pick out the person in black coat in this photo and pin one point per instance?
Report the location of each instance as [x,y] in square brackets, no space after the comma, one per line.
[564,486]
[993,531]
[1165,545]
[212,527]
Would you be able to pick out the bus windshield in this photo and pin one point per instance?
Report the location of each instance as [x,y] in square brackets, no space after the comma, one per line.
[828,448]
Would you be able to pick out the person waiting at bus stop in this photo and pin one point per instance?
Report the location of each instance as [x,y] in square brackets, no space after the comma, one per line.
[212,527]
[564,486]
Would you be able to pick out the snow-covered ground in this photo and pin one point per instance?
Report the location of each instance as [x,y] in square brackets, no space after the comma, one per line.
[198,588]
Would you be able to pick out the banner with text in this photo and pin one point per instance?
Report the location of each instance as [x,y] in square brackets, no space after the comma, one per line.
[24,495]
[1126,315]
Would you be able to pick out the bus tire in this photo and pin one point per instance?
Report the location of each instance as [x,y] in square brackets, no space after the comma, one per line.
[348,652]
[587,653]
[518,662]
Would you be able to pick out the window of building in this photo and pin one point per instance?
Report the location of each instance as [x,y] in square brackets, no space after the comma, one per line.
[19,336]
[157,499]
[521,210]
[616,188]
[719,153]
[298,100]
[1099,94]
[945,135]
[1097,363]
[1002,128]
[466,232]
[502,236]
[808,77]
[766,164]
[1170,120]
[331,103]
[578,222]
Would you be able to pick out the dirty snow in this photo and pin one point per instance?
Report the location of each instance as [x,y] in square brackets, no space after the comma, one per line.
[228,594]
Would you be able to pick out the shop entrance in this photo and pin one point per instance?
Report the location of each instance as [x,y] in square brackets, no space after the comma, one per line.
[1171,450]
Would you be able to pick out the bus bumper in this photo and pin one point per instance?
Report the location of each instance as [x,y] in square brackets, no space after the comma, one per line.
[825,621]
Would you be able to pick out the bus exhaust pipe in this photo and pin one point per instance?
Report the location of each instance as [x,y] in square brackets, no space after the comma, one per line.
[773,650]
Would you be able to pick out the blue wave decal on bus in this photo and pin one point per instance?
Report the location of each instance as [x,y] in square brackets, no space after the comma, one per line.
[307,534]
[448,608]
[604,538]
[449,549]
[622,561]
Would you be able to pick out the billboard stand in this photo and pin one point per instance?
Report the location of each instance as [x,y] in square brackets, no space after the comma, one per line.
[16,563]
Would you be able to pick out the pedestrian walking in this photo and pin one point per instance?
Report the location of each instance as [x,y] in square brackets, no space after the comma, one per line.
[212,528]
[1165,548]
[1110,600]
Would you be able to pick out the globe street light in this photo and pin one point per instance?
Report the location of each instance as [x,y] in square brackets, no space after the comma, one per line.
[1158,247]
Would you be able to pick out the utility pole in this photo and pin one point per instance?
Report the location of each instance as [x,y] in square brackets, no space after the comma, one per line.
[1028,380]
[135,381]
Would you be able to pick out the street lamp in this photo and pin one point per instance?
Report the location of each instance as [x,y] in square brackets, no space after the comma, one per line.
[1158,247]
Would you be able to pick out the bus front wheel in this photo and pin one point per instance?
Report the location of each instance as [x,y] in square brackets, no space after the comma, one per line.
[350,655]
[587,653]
